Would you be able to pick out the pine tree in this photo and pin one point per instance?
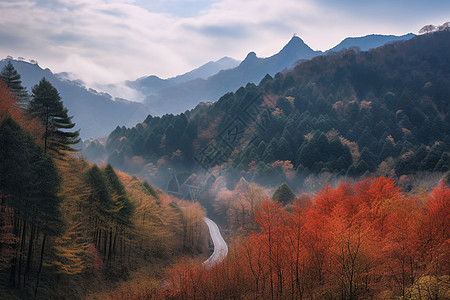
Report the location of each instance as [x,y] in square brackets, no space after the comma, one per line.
[46,105]
[29,182]
[283,194]
[11,78]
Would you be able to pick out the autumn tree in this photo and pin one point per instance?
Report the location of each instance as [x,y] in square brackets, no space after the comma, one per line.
[122,211]
[100,208]
[74,249]
[193,226]
[240,205]
[10,107]
[434,236]
[270,218]
[360,240]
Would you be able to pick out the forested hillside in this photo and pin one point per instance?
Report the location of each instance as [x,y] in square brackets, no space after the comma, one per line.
[384,112]
[71,229]
[367,240]
[68,227]
[175,95]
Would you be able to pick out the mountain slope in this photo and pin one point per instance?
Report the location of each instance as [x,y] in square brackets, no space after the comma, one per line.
[179,98]
[207,70]
[96,114]
[369,41]
[150,85]
[385,111]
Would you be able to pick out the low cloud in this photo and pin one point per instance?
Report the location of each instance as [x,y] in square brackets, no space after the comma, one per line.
[109,41]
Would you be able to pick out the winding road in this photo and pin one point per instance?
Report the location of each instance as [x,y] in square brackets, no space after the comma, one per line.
[220,247]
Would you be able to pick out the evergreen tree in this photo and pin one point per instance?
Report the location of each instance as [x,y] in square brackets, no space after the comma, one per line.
[100,196]
[11,78]
[113,180]
[443,164]
[369,158]
[284,151]
[283,194]
[29,182]
[122,204]
[46,106]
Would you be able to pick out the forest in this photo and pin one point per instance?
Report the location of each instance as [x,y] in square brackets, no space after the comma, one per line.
[383,111]
[330,181]
[70,229]
[362,240]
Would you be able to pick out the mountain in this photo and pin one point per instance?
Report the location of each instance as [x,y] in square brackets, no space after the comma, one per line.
[207,70]
[96,114]
[385,112]
[178,98]
[150,85]
[369,41]
[186,95]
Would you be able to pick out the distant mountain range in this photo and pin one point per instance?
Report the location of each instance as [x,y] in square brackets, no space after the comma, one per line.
[96,114]
[165,97]
[149,85]
[385,111]
[368,42]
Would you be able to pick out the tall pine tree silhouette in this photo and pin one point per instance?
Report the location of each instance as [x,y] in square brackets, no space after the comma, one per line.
[46,105]
[11,78]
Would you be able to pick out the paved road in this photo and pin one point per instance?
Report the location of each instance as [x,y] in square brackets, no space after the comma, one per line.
[220,247]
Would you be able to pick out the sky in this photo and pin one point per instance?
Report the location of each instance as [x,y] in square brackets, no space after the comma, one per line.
[109,41]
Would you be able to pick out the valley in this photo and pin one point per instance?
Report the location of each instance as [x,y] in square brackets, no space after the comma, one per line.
[302,175]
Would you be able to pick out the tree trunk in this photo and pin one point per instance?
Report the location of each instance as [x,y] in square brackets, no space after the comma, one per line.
[26,275]
[110,243]
[115,243]
[105,244]
[21,251]
[40,264]
[12,275]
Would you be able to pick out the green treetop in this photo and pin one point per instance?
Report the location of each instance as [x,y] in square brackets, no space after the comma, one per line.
[46,105]
[11,78]
[283,194]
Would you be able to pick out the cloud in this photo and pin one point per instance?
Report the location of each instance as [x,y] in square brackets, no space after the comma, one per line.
[109,41]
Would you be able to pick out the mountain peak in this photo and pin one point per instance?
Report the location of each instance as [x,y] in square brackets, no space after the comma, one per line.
[296,49]
[250,56]
[296,40]
[295,43]
[250,59]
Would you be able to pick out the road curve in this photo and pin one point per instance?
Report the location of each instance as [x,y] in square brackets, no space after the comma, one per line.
[220,247]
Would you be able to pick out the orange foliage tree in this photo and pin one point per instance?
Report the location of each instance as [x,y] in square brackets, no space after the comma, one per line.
[10,106]
[359,240]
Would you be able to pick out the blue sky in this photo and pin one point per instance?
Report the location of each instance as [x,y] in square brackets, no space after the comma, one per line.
[109,41]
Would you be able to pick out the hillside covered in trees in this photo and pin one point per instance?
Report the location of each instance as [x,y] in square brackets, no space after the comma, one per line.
[383,112]
[69,228]
[367,240]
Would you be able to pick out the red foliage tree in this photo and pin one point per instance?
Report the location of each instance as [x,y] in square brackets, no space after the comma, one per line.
[352,242]
[10,106]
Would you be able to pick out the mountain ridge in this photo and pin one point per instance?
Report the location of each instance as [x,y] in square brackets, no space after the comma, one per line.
[179,93]
[385,111]
[370,41]
[153,84]
[251,70]
[95,113]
